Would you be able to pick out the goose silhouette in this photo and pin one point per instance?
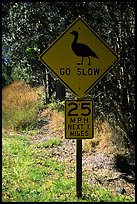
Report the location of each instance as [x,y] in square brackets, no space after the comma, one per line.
[81,49]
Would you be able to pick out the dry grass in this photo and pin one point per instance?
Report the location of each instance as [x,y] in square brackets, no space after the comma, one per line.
[17,95]
[18,104]
[107,135]
[56,121]
[104,138]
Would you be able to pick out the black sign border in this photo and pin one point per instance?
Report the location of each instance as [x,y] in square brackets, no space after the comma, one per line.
[82,100]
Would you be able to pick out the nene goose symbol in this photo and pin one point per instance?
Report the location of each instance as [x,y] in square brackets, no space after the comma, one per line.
[81,49]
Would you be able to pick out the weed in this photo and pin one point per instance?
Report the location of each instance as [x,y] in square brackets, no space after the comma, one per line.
[50,143]
[57,105]
[105,195]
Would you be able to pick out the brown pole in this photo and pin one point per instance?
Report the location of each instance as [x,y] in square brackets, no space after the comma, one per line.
[79,167]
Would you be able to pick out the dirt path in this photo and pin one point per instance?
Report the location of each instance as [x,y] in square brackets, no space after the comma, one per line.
[98,166]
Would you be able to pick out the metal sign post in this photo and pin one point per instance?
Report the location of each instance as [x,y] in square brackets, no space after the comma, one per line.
[79,167]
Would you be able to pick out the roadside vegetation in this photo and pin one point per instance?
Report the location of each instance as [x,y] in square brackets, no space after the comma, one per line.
[29,172]
[31,175]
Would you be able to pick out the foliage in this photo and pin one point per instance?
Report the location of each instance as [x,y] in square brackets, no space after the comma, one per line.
[116,91]
[56,105]
[50,143]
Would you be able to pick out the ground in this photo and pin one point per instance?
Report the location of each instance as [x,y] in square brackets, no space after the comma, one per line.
[98,157]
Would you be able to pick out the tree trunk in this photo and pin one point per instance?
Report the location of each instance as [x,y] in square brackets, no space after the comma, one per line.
[60,91]
[51,85]
[44,73]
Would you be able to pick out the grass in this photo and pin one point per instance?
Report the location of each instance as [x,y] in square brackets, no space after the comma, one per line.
[50,143]
[30,174]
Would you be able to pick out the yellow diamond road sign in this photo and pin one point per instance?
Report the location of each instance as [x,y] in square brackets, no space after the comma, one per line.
[79,57]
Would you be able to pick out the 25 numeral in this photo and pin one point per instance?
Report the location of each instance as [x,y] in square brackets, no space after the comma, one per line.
[86,111]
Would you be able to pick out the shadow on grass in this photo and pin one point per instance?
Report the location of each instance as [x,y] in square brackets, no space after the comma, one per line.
[126,167]
[36,124]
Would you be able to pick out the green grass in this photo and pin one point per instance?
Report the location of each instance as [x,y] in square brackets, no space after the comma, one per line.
[30,174]
[50,143]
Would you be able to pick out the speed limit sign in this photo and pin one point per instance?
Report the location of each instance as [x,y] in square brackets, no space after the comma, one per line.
[79,119]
